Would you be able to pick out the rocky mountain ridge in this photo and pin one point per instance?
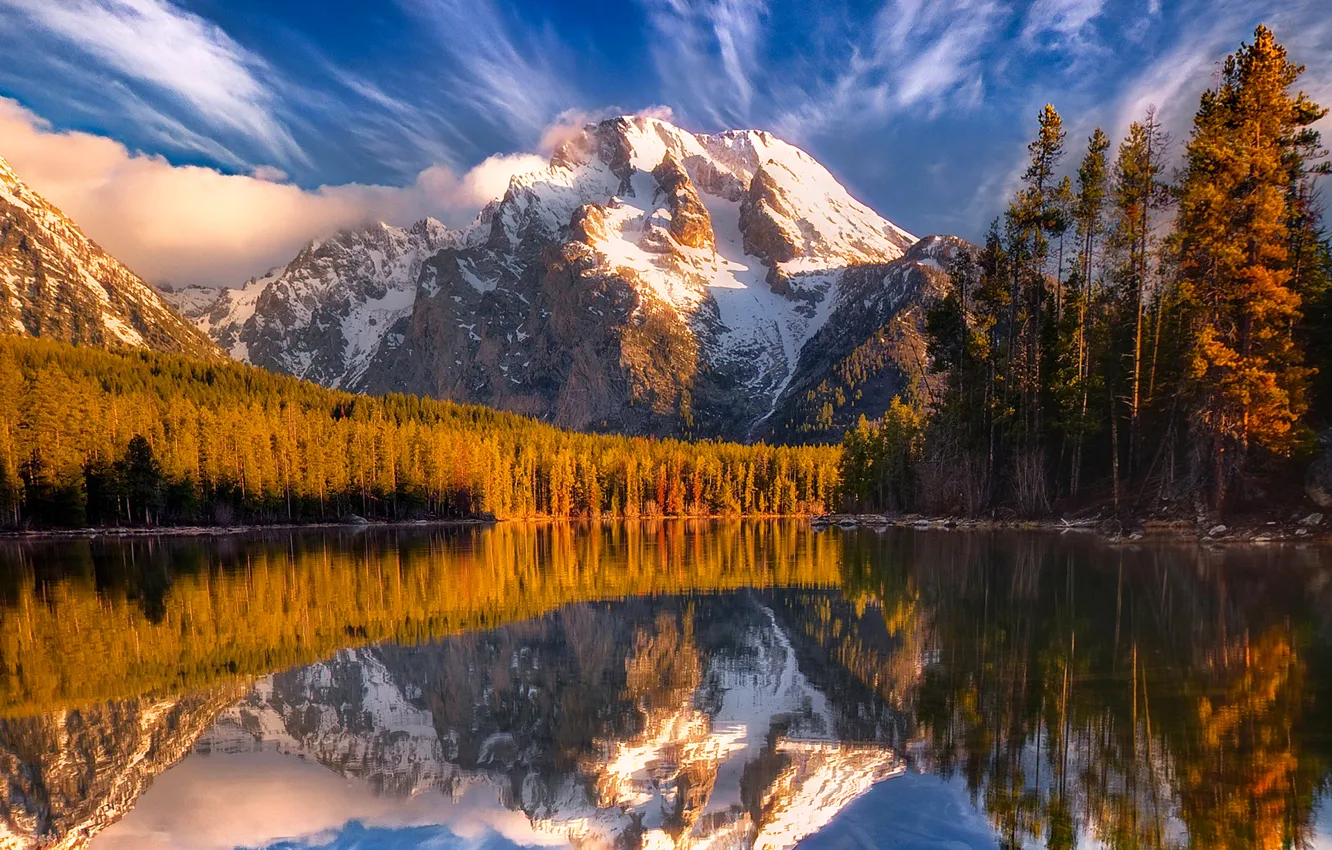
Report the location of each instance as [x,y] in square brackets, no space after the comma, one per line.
[323,316]
[56,282]
[647,281]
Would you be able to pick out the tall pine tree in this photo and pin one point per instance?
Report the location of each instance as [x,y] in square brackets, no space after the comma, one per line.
[1249,148]
[1089,206]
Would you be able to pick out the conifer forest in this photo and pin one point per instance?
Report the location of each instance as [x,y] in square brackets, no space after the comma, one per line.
[1146,328]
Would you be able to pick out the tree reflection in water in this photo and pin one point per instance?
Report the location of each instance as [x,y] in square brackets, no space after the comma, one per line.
[685,680]
[1153,696]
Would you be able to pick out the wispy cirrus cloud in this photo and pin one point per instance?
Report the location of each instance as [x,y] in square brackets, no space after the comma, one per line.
[493,72]
[929,51]
[922,56]
[1060,23]
[707,55]
[153,44]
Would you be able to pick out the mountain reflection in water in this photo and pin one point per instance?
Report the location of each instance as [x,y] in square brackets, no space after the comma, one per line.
[662,685]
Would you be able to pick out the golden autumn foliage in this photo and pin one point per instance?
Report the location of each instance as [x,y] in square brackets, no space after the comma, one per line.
[1244,163]
[228,442]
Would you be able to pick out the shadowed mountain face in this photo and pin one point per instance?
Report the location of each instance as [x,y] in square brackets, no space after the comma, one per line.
[57,283]
[871,349]
[519,686]
[648,281]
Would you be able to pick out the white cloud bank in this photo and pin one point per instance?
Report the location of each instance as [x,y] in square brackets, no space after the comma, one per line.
[193,225]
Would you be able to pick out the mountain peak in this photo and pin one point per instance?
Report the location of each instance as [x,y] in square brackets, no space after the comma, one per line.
[7,172]
[324,315]
[646,280]
[56,282]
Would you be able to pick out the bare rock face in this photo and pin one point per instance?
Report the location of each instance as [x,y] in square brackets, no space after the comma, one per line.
[647,281]
[55,282]
[588,224]
[613,148]
[763,221]
[714,180]
[690,223]
[595,338]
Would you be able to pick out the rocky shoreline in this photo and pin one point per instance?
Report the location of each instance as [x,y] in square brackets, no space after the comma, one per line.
[1305,528]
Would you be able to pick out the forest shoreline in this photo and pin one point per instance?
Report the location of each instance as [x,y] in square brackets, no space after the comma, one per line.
[1108,529]
[228,530]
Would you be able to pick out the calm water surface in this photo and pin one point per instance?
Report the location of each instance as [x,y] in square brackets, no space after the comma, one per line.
[662,685]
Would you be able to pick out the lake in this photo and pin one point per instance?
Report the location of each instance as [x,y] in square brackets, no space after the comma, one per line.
[670,684]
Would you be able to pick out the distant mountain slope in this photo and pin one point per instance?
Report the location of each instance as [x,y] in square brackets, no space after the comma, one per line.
[325,314]
[871,349]
[647,281]
[56,282]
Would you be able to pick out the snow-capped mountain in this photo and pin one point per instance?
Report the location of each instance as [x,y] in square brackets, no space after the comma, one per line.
[325,314]
[56,282]
[648,280]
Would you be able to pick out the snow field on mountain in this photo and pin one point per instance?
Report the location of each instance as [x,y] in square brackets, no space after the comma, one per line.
[326,317]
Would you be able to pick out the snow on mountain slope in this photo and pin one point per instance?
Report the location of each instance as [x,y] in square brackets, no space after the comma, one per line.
[190,301]
[650,280]
[774,248]
[325,314]
[647,280]
[56,282]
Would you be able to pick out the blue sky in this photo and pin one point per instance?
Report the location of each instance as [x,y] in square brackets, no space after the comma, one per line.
[922,107]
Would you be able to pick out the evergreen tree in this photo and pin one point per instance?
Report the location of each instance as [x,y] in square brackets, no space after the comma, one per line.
[143,478]
[1138,191]
[1247,153]
[968,341]
[1089,219]
[1315,331]
[1032,217]
[879,460]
